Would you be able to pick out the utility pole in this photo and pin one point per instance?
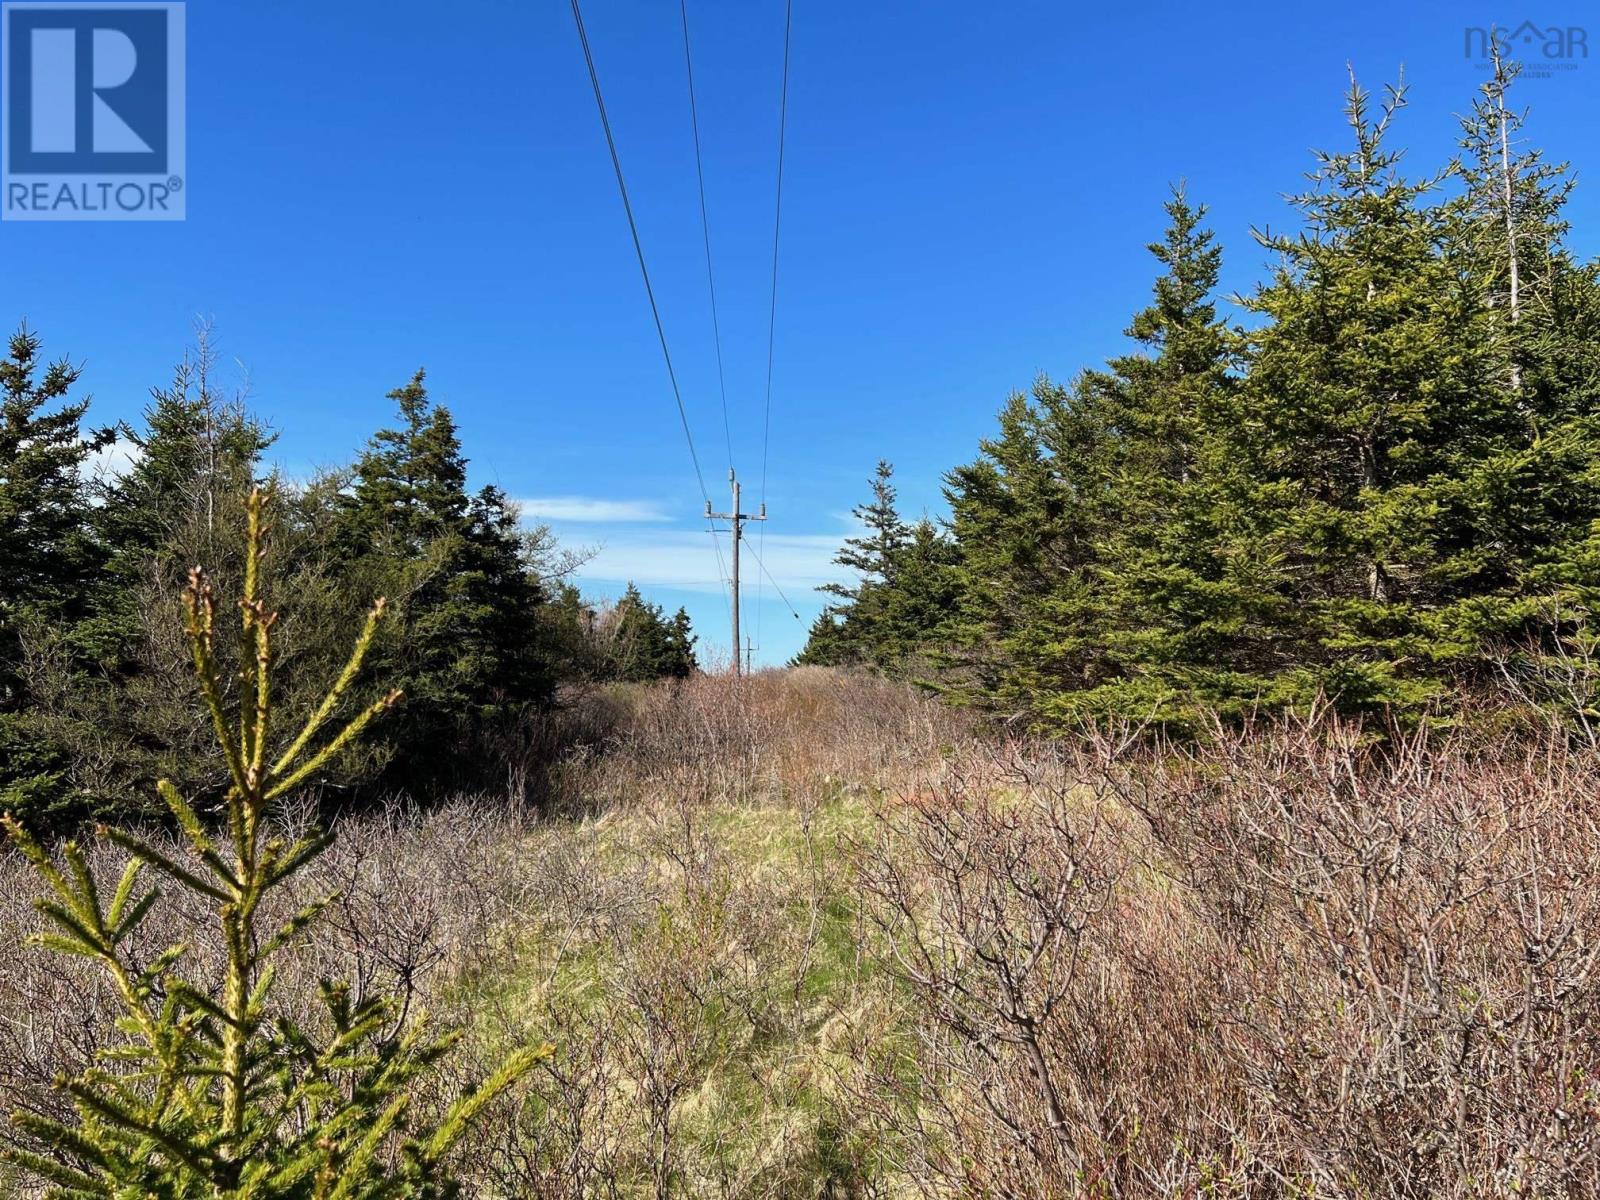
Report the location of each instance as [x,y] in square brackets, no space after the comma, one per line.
[737,520]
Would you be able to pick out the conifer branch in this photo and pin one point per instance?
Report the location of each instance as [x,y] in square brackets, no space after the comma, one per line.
[347,735]
[200,609]
[147,853]
[190,825]
[341,685]
[466,1109]
[212,1094]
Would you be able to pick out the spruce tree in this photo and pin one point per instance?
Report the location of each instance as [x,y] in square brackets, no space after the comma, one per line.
[1513,227]
[1030,517]
[211,1090]
[842,633]
[1394,472]
[1363,392]
[45,541]
[194,456]
[678,659]
[871,556]
[1164,598]
[913,610]
[1531,495]
[644,644]
[175,502]
[49,560]
[475,651]
[411,482]
[1083,527]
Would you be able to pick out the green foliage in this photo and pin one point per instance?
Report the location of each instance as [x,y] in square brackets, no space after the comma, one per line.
[1098,583]
[631,641]
[49,559]
[483,628]
[647,644]
[1389,475]
[44,535]
[904,592]
[210,1091]
[101,681]
[179,501]
[474,649]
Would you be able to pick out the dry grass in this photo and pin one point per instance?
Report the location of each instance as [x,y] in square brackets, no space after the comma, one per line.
[810,935]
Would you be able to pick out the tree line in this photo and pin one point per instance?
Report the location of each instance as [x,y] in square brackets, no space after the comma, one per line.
[1379,485]
[488,631]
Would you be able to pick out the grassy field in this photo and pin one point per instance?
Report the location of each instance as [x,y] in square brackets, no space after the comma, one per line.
[812,935]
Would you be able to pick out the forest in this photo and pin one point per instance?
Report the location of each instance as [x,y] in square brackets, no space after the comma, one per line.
[1376,486]
[487,623]
[1203,806]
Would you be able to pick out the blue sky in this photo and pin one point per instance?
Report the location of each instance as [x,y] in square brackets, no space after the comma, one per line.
[374,187]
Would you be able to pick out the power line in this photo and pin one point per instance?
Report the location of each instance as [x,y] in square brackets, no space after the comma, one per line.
[711,286]
[775,586]
[644,271]
[705,227]
[772,311]
[638,247]
[722,569]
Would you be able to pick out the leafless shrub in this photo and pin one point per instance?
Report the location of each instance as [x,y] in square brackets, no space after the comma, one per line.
[1409,935]
[1556,676]
[807,935]
[1054,1050]
[772,736]
[1299,958]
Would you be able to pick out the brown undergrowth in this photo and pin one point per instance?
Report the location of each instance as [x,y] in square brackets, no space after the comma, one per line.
[812,935]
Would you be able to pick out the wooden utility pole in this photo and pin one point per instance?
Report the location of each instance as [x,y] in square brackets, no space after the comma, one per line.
[737,520]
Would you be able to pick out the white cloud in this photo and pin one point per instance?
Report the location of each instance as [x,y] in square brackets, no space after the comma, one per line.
[111,462]
[589,509]
[683,558]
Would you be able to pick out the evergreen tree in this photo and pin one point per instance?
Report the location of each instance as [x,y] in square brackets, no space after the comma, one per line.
[193,452]
[1393,471]
[474,650]
[840,634]
[570,628]
[1362,400]
[1163,598]
[211,1089]
[1529,498]
[1513,226]
[872,555]
[177,501]
[827,644]
[678,657]
[905,590]
[48,554]
[49,560]
[411,482]
[644,644]
[1029,517]
[912,610]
